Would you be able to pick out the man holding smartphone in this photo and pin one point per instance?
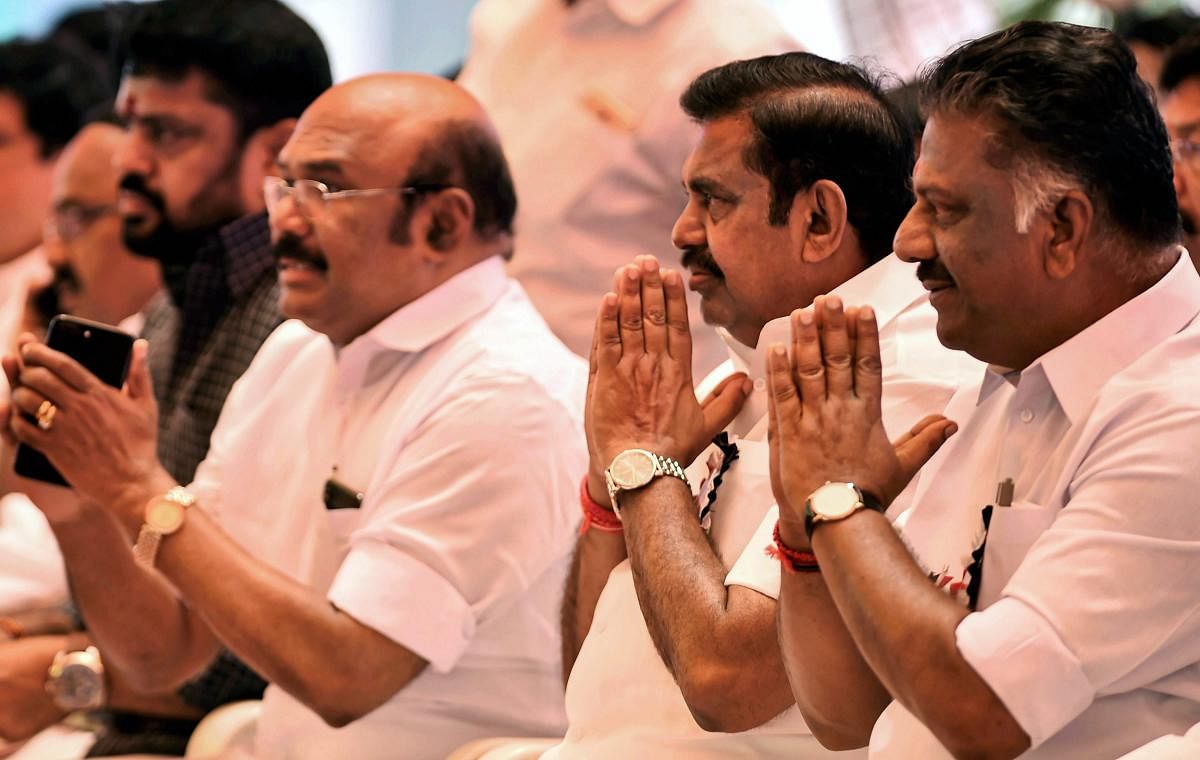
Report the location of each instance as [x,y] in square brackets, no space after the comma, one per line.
[209,95]
[417,374]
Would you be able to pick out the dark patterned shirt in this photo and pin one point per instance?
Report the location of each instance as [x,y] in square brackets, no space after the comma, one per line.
[198,348]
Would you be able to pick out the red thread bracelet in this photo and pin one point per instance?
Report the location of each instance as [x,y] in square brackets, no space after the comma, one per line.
[793,560]
[594,515]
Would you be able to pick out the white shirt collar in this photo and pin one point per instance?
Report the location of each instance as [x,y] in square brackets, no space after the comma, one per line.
[1079,367]
[888,287]
[423,322]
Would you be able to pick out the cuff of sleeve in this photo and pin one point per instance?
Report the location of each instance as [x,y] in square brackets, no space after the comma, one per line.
[1021,657]
[755,568]
[406,601]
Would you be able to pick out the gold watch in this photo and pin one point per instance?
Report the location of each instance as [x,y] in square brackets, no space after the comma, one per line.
[164,515]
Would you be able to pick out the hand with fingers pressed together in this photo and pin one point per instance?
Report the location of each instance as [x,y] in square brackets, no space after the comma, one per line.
[640,393]
[826,421]
[102,439]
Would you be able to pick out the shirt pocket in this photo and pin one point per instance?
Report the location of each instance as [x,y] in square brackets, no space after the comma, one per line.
[1011,533]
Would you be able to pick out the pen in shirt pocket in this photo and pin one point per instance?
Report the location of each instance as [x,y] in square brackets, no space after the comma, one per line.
[1004,492]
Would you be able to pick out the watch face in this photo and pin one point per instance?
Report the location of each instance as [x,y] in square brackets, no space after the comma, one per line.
[79,687]
[633,468]
[834,501]
[164,516]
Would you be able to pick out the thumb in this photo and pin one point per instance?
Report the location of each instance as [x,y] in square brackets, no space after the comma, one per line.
[724,403]
[138,384]
[917,446]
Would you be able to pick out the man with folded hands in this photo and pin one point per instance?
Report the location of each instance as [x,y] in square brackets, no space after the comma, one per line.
[794,190]
[1059,524]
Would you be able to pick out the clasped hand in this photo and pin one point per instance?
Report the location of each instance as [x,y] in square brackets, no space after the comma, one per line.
[826,419]
[640,392]
[101,439]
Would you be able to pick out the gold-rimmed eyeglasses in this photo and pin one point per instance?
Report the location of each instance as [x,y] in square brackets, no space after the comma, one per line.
[311,196]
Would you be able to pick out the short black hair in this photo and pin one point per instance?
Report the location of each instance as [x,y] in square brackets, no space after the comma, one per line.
[265,62]
[815,119]
[1182,62]
[466,155]
[1159,31]
[56,87]
[1069,98]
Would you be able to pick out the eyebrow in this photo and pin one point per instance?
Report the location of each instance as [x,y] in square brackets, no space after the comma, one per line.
[705,185]
[1185,127]
[320,168]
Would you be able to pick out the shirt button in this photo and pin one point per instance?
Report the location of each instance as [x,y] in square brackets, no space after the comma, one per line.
[1026,415]
[760,384]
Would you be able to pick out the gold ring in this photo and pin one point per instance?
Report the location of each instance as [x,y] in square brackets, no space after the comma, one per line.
[45,414]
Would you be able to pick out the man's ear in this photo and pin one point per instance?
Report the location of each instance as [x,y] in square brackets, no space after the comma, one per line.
[1071,222]
[449,219]
[258,161]
[823,208]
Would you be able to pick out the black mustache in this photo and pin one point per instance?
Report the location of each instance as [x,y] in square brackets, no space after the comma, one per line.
[136,183]
[933,270]
[290,247]
[700,257]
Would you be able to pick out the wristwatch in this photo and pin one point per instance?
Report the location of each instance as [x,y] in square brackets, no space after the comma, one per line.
[634,468]
[75,680]
[164,515]
[836,501]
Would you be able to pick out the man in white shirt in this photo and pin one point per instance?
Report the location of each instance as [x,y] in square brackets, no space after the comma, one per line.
[794,190]
[584,95]
[95,277]
[382,525]
[1059,524]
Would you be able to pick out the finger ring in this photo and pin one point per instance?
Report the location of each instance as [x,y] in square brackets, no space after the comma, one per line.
[45,415]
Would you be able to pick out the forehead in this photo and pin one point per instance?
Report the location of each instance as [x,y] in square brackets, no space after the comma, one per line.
[12,115]
[187,98]
[360,147]
[85,171]
[954,155]
[1181,108]
[719,152]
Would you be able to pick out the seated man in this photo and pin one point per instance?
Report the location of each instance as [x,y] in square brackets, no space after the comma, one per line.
[1062,517]
[381,525]
[795,189]
[95,277]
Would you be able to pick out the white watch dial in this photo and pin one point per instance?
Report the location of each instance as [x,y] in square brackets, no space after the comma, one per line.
[834,501]
[633,468]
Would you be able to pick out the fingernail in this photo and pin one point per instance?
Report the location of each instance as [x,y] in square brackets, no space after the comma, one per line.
[649,264]
[951,429]
[777,349]
[670,276]
[806,316]
[631,274]
[866,313]
[833,302]
[610,299]
[747,386]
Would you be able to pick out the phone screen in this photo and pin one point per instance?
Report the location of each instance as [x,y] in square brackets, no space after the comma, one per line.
[102,350]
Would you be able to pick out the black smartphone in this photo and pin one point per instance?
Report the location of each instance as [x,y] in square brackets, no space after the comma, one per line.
[102,350]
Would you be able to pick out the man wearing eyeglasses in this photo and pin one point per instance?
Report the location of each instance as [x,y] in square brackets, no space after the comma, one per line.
[1179,104]
[95,275]
[382,526]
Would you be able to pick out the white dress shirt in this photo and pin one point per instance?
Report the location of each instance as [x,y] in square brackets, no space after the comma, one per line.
[459,419]
[1088,627]
[586,101]
[621,700]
